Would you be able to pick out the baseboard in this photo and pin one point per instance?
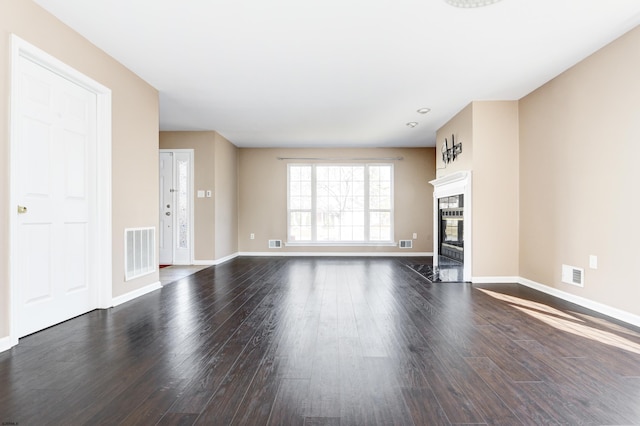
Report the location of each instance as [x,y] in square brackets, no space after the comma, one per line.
[6,343]
[201,263]
[497,280]
[335,254]
[215,262]
[585,303]
[136,293]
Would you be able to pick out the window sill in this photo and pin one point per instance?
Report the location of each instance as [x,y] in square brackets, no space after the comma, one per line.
[340,244]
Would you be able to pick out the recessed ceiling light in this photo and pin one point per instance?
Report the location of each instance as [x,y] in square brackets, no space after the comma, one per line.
[412,124]
[470,3]
[424,110]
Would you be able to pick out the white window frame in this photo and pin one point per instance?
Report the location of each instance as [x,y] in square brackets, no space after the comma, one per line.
[314,241]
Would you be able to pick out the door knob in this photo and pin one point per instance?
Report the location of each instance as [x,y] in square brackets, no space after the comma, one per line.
[168,213]
[22,209]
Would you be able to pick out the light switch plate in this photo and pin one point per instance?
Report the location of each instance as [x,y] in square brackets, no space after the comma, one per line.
[200,193]
[593,262]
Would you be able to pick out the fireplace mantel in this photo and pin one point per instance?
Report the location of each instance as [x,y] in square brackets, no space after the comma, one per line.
[455,184]
[454,180]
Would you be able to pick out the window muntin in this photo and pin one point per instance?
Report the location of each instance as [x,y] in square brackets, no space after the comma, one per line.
[340,203]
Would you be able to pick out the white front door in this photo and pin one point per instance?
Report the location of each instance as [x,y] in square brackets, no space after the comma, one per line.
[166,208]
[54,169]
[176,206]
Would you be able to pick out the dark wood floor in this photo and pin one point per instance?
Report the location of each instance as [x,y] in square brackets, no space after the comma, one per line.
[326,341]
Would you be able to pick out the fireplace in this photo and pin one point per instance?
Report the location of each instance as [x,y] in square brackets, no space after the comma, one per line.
[452,233]
[451,227]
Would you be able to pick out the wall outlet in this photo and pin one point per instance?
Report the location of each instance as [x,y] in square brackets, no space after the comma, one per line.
[252,236]
[209,193]
[415,235]
[593,262]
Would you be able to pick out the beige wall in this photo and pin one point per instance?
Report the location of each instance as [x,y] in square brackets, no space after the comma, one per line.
[134,132]
[488,131]
[215,169]
[461,127]
[579,175]
[263,196]
[495,189]
[203,145]
[226,198]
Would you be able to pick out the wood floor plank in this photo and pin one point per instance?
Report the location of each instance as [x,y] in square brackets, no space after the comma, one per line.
[524,398]
[451,399]
[290,402]
[221,359]
[178,419]
[327,341]
[424,407]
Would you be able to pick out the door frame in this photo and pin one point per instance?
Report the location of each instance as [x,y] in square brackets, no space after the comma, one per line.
[101,265]
[191,192]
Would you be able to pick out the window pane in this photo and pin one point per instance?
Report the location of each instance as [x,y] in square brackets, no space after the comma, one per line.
[305,203]
[334,195]
[294,203]
[385,173]
[358,233]
[183,209]
[358,174]
[374,202]
[305,188]
[294,188]
[294,174]
[380,226]
[322,173]
[300,226]
[336,206]
[305,173]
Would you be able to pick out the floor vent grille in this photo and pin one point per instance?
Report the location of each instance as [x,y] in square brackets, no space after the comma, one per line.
[273,244]
[573,275]
[406,244]
[139,252]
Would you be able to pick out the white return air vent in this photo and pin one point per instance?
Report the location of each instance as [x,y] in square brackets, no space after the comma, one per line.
[406,244]
[139,252]
[273,244]
[573,275]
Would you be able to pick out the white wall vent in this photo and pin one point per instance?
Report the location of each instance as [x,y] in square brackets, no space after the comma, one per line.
[573,275]
[139,252]
[406,244]
[275,244]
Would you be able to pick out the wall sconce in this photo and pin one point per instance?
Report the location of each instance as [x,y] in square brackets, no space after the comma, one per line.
[450,154]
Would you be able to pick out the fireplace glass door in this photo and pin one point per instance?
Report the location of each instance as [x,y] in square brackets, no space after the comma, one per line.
[451,235]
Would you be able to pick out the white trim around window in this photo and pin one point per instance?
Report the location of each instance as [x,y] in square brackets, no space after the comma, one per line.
[340,204]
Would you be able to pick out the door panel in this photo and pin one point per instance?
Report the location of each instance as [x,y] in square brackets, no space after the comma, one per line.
[55,169]
[75,268]
[166,208]
[36,241]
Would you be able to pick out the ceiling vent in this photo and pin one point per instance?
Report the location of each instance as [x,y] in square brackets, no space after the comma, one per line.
[573,275]
[274,244]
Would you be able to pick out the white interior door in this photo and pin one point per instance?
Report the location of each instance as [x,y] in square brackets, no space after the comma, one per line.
[176,220]
[54,168]
[166,208]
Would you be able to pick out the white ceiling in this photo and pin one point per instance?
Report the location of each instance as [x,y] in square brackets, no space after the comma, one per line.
[327,73]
